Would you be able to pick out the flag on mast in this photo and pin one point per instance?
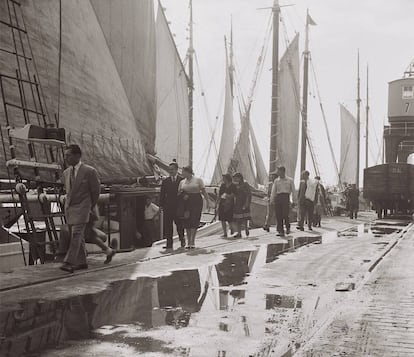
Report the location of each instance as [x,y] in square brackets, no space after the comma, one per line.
[310,21]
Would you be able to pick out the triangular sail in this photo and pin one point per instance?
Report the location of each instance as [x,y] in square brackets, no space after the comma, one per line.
[95,109]
[289,117]
[129,29]
[172,128]
[348,167]
[261,172]
[227,136]
[243,160]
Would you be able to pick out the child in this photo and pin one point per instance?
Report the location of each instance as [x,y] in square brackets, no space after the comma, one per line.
[151,211]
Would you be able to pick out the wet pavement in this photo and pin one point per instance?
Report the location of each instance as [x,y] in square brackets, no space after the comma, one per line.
[377,319]
[246,298]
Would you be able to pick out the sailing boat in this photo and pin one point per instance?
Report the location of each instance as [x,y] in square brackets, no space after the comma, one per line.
[246,157]
[111,75]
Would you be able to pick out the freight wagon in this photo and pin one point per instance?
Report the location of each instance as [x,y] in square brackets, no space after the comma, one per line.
[390,188]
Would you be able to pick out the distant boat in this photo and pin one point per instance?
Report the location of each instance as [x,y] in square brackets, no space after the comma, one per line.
[245,157]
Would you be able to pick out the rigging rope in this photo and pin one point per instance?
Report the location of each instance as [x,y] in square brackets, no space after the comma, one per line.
[325,122]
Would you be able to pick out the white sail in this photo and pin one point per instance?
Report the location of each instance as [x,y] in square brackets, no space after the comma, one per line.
[348,167]
[129,29]
[172,128]
[243,159]
[227,135]
[289,117]
[261,172]
[95,103]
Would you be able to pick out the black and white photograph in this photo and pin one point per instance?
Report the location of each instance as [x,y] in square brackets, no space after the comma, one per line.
[207,178]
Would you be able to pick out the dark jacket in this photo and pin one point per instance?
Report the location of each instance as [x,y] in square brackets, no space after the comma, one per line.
[302,190]
[168,196]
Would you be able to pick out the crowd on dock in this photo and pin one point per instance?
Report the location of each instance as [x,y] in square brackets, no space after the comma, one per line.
[182,199]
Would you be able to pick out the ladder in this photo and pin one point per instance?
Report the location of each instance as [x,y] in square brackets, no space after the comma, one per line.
[32,144]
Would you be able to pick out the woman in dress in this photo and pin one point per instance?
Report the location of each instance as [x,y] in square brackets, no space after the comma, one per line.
[242,199]
[190,192]
[226,203]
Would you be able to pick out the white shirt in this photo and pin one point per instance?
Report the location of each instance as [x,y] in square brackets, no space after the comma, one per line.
[193,185]
[76,168]
[174,178]
[311,187]
[151,211]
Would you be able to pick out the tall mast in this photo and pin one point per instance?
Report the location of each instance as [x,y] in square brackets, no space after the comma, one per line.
[358,124]
[305,97]
[367,122]
[275,88]
[191,84]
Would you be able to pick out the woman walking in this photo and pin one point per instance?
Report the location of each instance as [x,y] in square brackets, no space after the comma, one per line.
[226,203]
[190,192]
[242,199]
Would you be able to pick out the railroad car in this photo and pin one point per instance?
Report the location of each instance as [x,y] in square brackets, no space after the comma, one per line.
[390,188]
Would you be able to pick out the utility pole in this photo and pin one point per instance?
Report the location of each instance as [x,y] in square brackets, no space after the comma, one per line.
[358,124]
[191,85]
[305,98]
[367,123]
[275,89]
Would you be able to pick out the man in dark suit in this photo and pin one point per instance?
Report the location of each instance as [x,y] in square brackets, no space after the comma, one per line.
[168,203]
[82,192]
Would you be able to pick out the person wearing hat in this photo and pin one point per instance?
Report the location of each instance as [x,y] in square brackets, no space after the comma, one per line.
[168,203]
[270,213]
[227,192]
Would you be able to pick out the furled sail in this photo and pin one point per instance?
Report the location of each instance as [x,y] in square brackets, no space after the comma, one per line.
[227,135]
[172,128]
[106,105]
[289,118]
[348,167]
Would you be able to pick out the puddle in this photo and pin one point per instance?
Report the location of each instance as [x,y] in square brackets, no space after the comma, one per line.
[147,314]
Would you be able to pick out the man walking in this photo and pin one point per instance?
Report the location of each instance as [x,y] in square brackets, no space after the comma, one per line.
[168,202]
[283,187]
[82,192]
[306,198]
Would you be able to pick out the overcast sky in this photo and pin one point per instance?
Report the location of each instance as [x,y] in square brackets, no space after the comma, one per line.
[382,30]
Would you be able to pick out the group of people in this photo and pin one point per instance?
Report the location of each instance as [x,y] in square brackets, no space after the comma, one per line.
[181,200]
[311,201]
[234,205]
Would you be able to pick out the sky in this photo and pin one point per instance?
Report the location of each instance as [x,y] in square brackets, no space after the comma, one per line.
[383,31]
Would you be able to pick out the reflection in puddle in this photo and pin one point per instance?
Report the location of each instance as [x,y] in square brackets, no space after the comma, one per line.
[127,311]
